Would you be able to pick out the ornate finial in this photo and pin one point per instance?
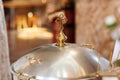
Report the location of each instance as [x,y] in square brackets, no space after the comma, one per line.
[61,19]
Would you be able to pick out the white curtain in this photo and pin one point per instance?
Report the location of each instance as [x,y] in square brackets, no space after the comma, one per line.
[116,50]
[4,53]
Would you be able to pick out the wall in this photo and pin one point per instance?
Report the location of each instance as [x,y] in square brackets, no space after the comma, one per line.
[90,26]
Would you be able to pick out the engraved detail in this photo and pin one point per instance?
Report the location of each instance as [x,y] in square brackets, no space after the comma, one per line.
[23,77]
[33,59]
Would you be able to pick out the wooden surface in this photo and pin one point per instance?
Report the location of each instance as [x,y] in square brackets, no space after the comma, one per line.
[23,3]
[19,47]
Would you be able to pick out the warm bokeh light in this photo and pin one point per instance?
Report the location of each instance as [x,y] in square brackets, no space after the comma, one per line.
[34,33]
[28,28]
[43,1]
[30,14]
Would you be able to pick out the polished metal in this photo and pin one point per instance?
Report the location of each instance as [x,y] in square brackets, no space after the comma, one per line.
[71,62]
[33,59]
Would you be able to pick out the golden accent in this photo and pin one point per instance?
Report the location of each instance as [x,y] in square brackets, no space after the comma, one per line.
[60,15]
[33,59]
[21,77]
[61,19]
[98,67]
[61,39]
[32,78]
[61,36]
[91,46]
[110,59]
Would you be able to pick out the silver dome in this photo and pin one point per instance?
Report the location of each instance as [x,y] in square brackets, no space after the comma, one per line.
[51,62]
[60,61]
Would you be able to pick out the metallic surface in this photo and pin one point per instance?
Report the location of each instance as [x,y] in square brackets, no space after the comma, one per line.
[71,62]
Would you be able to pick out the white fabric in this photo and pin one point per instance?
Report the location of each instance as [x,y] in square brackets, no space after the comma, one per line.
[116,50]
[110,78]
[4,53]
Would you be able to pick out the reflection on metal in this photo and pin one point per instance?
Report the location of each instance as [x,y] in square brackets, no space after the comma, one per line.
[91,46]
[61,19]
[21,77]
[33,59]
[98,67]
[71,62]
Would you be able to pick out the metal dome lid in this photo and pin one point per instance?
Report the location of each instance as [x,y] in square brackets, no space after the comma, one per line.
[59,61]
[70,62]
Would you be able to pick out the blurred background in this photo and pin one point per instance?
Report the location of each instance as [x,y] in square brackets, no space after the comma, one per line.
[89,22]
